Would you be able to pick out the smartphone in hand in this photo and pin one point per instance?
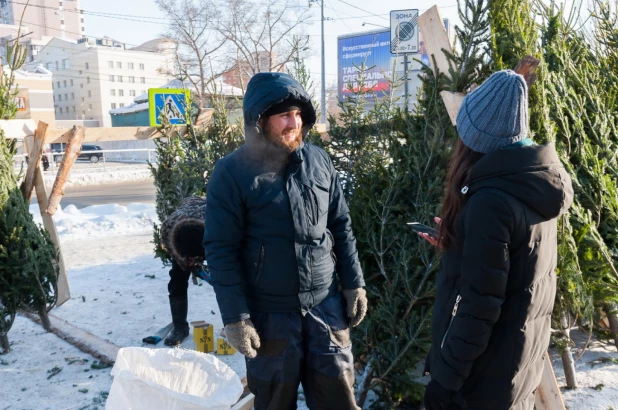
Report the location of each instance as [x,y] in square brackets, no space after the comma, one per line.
[419,227]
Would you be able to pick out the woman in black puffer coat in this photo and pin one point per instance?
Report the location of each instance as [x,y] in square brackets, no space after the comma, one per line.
[496,287]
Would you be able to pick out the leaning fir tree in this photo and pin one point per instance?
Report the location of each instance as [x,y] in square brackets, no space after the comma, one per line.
[393,164]
[186,161]
[28,258]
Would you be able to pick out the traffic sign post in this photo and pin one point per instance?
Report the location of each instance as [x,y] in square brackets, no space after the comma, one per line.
[170,104]
[404,31]
[404,36]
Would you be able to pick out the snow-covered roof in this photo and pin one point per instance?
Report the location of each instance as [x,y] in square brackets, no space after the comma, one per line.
[141,101]
[131,108]
[31,70]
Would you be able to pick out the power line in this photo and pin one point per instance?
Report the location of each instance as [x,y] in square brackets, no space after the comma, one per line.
[366,11]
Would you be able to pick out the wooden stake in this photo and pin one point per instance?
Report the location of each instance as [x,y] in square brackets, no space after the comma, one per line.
[72,151]
[435,38]
[527,67]
[64,293]
[85,341]
[548,396]
[452,101]
[35,155]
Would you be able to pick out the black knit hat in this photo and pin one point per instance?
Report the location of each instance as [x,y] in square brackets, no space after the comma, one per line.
[284,106]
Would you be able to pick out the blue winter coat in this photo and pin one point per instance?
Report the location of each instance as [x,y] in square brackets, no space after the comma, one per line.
[278,230]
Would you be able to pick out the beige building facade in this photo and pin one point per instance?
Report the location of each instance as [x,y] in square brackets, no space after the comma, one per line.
[95,75]
[34,98]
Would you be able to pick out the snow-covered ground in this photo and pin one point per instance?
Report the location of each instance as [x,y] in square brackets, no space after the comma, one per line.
[119,293]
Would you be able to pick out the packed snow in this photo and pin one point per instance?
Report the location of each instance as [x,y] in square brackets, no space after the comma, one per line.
[119,293]
[97,176]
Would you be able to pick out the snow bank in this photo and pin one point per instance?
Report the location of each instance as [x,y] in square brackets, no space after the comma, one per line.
[101,220]
[102,176]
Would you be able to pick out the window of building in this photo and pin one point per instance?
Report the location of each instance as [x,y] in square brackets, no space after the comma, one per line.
[48,66]
[65,83]
[111,78]
[89,93]
[131,79]
[83,29]
[121,105]
[66,97]
[142,80]
[81,85]
[141,66]
[118,64]
[130,66]
[113,106]
[57,66]
[80,72]
[88,80]
[73,108]
[65,64]
[71,83]
[132,93]
[90,107]
[110,64]
[58,84]
[112,92]
[59,97]
[54,98]
[72,96]
[53,86]
[60,110]
[121,93]
[61,21]
[87,66]
[83,99]
[119,78]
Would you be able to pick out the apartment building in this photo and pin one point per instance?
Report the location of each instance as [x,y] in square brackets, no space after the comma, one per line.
[95,75]
[45,18]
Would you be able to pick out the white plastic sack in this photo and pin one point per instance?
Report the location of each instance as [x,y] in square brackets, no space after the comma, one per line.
[171,379]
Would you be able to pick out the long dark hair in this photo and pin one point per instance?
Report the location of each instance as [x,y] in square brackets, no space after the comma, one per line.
[462,161]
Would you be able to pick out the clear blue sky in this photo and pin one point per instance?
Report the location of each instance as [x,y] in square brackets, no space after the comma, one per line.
[347,19]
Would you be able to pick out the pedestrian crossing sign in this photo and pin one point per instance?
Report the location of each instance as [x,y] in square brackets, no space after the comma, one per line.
[168,105]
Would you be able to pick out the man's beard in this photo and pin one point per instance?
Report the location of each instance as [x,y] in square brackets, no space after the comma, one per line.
[281,142]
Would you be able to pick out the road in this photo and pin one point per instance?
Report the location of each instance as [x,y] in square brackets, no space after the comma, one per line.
[121,194]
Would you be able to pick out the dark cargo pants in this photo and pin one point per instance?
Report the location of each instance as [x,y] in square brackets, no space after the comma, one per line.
[314,350]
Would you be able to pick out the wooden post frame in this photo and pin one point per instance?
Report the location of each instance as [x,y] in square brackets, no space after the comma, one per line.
[548,396]
[64,293]
[34,154]
[72,151]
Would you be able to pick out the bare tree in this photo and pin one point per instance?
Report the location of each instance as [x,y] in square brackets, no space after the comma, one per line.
[263,36]
[193,29]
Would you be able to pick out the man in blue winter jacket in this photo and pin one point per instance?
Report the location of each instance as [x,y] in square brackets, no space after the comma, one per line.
[282,255]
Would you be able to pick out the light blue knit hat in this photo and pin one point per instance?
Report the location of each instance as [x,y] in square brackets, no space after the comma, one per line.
[495,114]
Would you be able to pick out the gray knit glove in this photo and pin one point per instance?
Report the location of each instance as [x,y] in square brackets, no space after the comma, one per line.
[243,337]
[356,302]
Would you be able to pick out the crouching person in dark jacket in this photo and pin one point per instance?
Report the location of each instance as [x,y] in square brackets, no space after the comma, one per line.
[496,287]
[181,234]
[280,247]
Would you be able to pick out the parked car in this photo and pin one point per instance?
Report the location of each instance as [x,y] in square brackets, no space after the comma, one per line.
[86,153]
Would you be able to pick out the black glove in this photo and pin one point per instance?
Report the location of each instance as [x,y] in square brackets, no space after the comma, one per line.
[437,397]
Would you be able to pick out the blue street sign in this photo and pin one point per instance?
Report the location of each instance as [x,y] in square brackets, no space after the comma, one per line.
[168,103]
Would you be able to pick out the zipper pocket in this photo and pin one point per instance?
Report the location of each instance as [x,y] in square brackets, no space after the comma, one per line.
[451,322]
[260,266]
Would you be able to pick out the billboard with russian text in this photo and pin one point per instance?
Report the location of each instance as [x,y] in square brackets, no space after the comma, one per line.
[371,50]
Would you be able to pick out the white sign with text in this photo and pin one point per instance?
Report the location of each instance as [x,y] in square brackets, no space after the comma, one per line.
[404,31]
